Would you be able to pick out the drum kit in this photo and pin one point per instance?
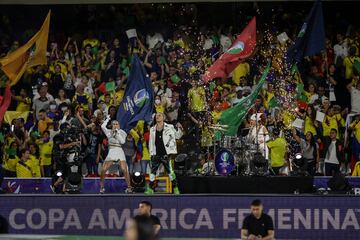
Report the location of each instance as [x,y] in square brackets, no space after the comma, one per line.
[237,155]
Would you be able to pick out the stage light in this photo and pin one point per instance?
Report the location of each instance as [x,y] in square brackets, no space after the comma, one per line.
[298,156]
[138,181]
[59,173]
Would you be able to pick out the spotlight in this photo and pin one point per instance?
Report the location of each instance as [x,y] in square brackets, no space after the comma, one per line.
[298,156]
[59,173]
[138,181]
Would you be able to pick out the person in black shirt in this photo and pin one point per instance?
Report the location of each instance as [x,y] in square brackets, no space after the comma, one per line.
[145,208]
[257,225]
[139,228]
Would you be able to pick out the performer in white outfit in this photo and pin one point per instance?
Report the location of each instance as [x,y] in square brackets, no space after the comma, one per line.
[258,134]
[116,137]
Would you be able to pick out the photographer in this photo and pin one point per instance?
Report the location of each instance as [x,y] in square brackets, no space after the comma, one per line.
[93,146]
[66,153]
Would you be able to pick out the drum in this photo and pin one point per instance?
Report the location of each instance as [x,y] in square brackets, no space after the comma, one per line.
[224,162]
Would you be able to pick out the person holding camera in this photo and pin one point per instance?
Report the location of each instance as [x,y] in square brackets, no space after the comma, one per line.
[63,146]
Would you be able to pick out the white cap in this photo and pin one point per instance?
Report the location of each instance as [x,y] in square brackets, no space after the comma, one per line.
[238,88]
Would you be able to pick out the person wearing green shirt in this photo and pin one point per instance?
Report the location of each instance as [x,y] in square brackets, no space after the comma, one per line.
[277,148]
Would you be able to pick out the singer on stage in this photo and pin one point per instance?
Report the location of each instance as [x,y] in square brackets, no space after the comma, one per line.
[162,143]
[116,137]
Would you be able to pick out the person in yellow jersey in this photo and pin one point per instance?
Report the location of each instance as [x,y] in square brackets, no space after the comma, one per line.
[356,171]
[287,116]
[10,160]
[82,99]
[23,101]
[143,130]
[23,167]
[159,105]
[355,126]
[44,121]
[309,120]
[310,93]
[330,122]
[196,97]
[277,148]
[267,95]
[349,62]
[34,160]
[45,147]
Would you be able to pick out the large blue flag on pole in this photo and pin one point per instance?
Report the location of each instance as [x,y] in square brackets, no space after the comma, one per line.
[138,100]
[311,38]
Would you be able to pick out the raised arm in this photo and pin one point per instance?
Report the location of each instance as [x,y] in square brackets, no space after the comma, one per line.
[106,131]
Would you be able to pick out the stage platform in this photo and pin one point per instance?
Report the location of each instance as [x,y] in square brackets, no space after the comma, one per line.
[188,216]
[188,184]
[254,184]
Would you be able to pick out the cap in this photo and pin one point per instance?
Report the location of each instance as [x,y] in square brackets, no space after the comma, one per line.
[238,89]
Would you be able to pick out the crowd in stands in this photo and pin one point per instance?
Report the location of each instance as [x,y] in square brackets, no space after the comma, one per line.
[86,76]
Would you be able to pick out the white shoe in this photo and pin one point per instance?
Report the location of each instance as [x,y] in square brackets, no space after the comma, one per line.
[102,190]
[129,190]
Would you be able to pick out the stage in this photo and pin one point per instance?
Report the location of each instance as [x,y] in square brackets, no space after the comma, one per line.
[188,184]
[253,184]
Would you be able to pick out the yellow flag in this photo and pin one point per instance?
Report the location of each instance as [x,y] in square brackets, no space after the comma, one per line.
[31,54]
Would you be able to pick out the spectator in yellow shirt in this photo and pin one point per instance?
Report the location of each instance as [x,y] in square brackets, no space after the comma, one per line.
[23,167]
[311,91]
[44,121]
[330,122]
[9,165]
[159,105]
[82,99]
[196,97]
[268,95]
[355,126]
[23,101]
[309,120]
[277,151]
[349,62]
[45,147]
[356,172]
[34,160]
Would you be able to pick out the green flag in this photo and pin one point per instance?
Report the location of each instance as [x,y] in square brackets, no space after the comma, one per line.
[233,117]
[273,103]
[175,78]
[110,86]
[357,66]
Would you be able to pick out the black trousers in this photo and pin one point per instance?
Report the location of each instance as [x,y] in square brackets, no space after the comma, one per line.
[331,169]
[155,163]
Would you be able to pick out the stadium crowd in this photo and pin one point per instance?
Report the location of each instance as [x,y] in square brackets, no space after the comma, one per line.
[65,102]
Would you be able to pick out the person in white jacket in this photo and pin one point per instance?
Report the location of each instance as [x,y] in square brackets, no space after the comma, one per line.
[116,137]
[162,143]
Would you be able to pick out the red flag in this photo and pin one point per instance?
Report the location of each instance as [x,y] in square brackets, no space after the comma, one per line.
[5,103]
[241,49]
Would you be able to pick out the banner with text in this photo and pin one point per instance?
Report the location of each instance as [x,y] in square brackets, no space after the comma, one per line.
[295,217]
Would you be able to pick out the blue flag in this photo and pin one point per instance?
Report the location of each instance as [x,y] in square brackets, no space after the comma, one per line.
[138,100]
[311,38]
